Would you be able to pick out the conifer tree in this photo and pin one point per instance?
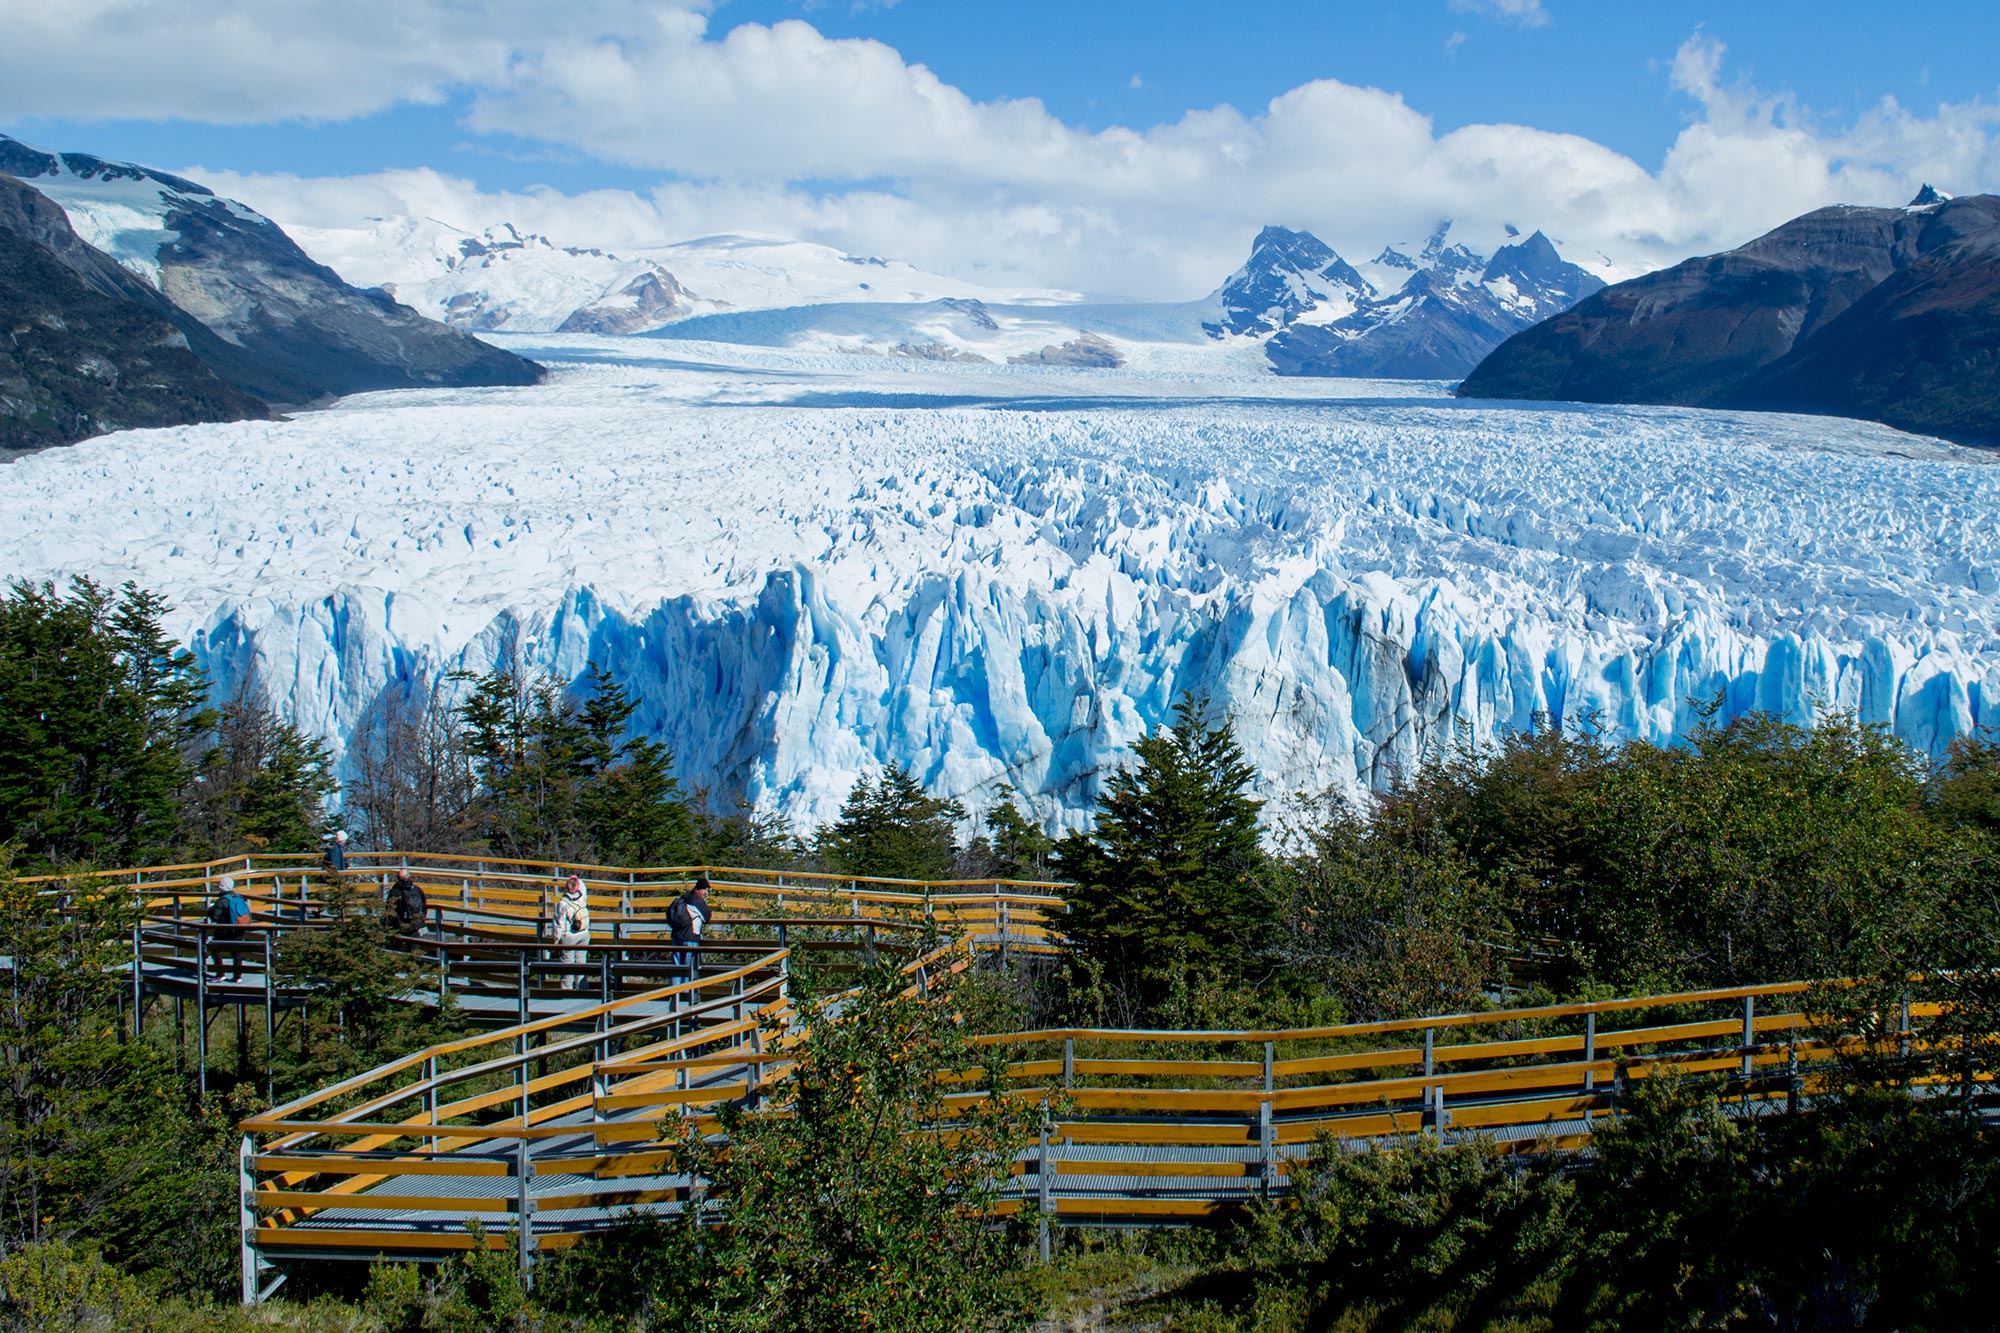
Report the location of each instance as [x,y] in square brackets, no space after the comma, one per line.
[101,714]
[1166,886]
[632,803]
[1015,846]
[891,828]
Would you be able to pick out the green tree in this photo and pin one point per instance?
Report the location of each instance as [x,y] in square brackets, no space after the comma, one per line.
[1014,846]
[100,717]
[844,1210]
[889,827]
[631,804]
[1167,885]
[1386,916]
[367,997]
[531,753]
[260,783]
[98,1142]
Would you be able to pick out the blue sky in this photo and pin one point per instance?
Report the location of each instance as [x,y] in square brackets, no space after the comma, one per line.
[1736,116]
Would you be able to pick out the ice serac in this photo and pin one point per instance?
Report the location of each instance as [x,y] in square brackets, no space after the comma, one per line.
[806,568]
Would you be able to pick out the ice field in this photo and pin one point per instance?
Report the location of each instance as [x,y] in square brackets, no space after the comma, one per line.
[807,565]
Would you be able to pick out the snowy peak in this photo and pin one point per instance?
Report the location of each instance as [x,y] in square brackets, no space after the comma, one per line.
[503,276]
[285,329]
[1929,197]
[1290,276]
[1533,279]
[129,212]
[1429,315]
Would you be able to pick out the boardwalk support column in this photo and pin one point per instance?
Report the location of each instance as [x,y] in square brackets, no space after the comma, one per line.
[1045,1202]
[524,1211]
[138,984]
[246,1194]
[1749,1034]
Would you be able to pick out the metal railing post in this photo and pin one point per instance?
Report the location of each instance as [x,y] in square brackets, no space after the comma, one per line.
[138,982]
[270,1016]
[201,1006]
[524,1211]
[1590,1049]
[1749,1031]
[246,1218]
[1045,1202]
[1069,1062]
[431,1098]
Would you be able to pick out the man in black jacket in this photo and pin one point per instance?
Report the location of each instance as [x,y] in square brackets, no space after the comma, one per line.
[405,899]
[689,916]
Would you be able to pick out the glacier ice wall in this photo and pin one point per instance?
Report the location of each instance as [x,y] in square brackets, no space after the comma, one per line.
[803,570]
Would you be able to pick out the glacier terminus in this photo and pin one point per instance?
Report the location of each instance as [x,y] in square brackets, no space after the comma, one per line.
[807,565]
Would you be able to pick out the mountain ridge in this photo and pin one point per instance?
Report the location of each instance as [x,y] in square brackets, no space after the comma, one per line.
[286,329]
[1889,314]
[1434,316]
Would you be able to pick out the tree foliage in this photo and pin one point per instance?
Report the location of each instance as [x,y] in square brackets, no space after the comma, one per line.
[889,827]
[1167,885]
[842,1208]
[556,780]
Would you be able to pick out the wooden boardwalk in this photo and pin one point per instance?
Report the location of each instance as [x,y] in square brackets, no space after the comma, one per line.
[573,1109]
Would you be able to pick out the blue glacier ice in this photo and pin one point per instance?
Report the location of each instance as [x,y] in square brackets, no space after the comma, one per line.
[805,566]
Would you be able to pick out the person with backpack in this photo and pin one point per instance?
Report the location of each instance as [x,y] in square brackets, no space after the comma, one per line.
[227,917]
[572,929]
[404,898]
[689,916]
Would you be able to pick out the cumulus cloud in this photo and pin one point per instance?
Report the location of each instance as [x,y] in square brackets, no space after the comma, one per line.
[237,62]
[780,129]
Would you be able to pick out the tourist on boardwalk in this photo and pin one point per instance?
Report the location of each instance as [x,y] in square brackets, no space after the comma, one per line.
[334,859]
[405,900]
[227,916]
[689,915]
[572,928]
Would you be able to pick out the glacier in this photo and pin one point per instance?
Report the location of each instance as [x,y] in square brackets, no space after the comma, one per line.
[807,565]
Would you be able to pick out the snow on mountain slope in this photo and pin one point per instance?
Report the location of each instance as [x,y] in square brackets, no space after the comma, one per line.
[1428,312]
[1143,336]
[501,278]
[806,565]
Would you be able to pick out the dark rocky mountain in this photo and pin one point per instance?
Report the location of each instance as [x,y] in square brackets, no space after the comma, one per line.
[1891,314]
[1432,316]
[86,347]
[286,329]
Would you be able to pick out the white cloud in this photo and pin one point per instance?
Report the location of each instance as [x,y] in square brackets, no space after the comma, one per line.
[1526,13]
[781,129]
[254,61]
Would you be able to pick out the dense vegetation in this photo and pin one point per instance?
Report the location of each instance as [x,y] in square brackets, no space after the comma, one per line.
[1557,864]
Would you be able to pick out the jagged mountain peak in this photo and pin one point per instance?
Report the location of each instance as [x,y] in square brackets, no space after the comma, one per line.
[1929,197]
[1432,316]
[1289,275]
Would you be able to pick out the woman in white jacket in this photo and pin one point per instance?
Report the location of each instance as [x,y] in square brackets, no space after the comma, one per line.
[572,929]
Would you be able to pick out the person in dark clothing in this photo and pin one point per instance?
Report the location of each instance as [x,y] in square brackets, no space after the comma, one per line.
[689,916]
[227,916]
[405,900]
[334,860]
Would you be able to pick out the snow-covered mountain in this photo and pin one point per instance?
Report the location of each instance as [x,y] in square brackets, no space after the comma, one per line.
[500,277]
[807,565]
[286,330]
[1431,315]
